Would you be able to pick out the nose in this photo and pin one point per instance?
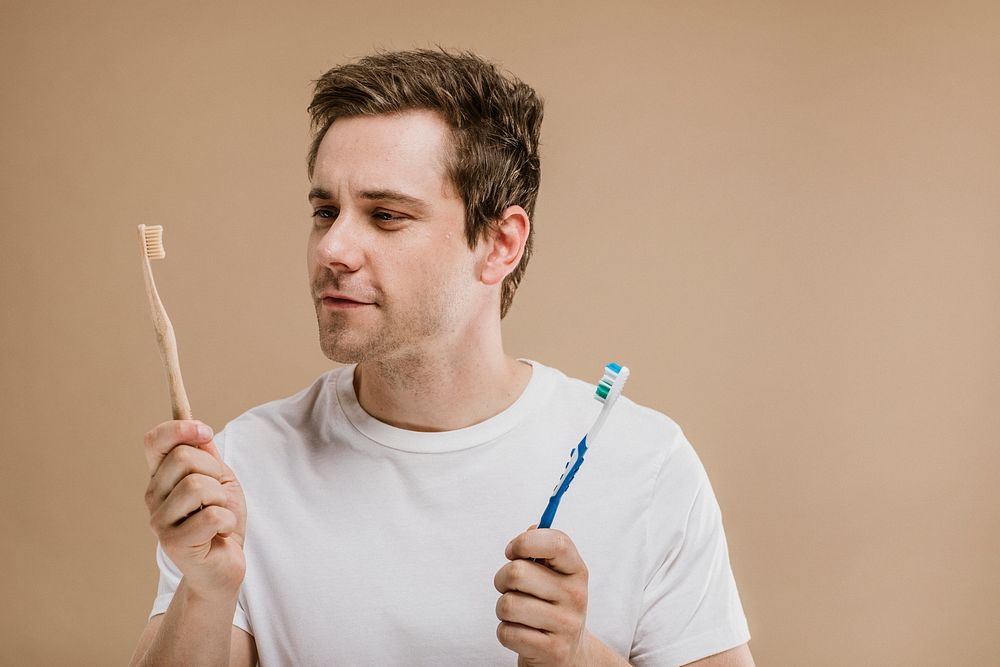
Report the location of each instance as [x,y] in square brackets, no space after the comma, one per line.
[341,246]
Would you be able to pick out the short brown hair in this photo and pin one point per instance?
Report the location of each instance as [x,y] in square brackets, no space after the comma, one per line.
[495,122]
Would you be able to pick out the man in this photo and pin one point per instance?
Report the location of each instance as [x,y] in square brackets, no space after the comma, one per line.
[368,519]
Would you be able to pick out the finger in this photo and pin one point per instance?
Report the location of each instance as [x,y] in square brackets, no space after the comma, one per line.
[164,437]
[191,494]
[534,579]
[526,642]
[201,528]
[529,611]
[553,545]
[181,461]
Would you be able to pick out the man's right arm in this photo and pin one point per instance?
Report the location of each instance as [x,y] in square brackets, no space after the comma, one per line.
[202,623]
[198,513]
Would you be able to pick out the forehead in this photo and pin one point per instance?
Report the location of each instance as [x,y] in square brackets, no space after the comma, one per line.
[404,151]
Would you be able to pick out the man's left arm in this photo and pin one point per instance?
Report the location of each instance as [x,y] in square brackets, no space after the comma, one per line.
[734,657]
[601,654]
[543,608]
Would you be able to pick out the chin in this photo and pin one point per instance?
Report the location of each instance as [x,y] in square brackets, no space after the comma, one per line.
[342,351]
[344,359]
[335,347]
[340,354]
[356,344]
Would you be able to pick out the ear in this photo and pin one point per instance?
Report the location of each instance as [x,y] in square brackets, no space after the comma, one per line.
[505,246]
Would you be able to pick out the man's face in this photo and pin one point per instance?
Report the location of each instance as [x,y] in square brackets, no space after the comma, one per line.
[388,234]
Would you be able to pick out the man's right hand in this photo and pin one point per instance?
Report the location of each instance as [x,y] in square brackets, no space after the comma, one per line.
[196,507]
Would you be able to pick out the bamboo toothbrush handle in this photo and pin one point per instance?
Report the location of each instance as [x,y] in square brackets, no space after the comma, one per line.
[179,405]
[168,347]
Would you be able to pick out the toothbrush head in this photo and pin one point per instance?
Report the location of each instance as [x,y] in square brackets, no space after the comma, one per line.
[611,384]
[151,241]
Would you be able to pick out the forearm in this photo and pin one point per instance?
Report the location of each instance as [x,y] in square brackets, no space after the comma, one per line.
[600,654]
[195,630]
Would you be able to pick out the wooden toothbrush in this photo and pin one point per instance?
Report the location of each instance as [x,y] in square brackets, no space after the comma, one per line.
[151,246]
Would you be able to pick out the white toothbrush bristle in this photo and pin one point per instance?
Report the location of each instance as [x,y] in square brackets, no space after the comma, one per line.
[608,381]
[153,237]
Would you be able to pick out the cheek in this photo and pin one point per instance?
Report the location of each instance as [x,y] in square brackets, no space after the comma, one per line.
[455,281]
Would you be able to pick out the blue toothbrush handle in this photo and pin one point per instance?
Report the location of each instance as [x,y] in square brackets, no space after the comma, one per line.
[550,509]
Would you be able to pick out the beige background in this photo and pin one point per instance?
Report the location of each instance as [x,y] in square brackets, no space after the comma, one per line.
[783,216]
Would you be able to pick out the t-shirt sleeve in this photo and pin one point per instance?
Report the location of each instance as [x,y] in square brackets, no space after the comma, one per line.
[691,608]
[170,576]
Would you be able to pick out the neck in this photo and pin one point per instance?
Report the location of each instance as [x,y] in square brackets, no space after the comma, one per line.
[440,392]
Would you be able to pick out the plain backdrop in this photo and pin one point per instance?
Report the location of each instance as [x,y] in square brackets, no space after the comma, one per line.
[783,216]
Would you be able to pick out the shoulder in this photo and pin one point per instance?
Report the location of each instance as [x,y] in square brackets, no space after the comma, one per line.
[635,435]
[654,440]
[273,422]
[639,425]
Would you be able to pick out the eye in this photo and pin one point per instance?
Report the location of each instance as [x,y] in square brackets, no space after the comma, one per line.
[387,216]
[321,216]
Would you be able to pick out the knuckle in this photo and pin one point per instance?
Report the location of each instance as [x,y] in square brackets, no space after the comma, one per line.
[184,456]
[192,484]
[218,517]
[505,634]
[149,497]
[209,514]
[156,526]
[215,514]
[505,606]
[518,569]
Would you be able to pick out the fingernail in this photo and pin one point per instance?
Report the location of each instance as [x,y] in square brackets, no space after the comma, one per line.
[204,432]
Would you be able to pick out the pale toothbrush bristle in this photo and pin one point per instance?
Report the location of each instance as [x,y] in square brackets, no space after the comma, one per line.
[153,237]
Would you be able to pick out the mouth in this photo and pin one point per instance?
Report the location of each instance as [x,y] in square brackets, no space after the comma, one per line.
[341,302]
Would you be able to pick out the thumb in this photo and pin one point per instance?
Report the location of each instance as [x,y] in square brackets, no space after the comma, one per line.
[205,441]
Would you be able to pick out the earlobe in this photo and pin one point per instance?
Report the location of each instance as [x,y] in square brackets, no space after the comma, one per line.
[505,245]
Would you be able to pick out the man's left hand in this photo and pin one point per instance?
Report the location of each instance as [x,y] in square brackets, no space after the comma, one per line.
[543,606]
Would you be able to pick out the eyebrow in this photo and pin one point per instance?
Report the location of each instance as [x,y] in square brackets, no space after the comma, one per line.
[385,195]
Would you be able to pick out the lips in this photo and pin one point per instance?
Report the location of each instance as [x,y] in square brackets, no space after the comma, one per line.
[338,300]
[342,297]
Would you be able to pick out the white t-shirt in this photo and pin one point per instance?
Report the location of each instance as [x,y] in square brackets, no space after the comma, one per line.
[372,545]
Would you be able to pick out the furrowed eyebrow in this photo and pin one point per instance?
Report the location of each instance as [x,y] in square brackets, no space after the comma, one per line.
[391,196]
[319,193]
[395,197]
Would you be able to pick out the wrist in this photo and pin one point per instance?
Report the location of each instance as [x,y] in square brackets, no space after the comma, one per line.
[216,596]
[595,653]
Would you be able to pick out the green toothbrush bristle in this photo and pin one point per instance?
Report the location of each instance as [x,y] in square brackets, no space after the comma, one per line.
[603,390]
